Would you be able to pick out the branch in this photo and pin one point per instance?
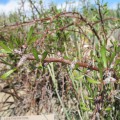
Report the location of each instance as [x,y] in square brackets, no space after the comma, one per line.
[48,60]
[84,65]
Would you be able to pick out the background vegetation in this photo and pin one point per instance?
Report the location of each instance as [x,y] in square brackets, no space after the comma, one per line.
[62,61]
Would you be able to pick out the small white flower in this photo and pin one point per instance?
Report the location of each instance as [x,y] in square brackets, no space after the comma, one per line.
[109,79]
[40,56]
[72,65]
[17,51]
[86,46]
[112,79]
[59,54]
[61,110]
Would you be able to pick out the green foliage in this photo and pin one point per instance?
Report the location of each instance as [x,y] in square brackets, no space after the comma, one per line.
[35,53]
[103,56]
[7,74]
[29,35]
[84,74]
[5,48]
[90,80]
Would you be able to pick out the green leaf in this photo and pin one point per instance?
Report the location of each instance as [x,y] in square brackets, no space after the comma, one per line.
[76,66]
[29,36]
[35,53]
[61,49]
[5,62]
[88,98]
[14,40]
[117,62]
[44,55]
[5,75]
[97,59]
[85,108]
[80,77]
[113,54]
[5,48]
[90,80]
[108,109]
[103,56]
[66,57]
[33,39]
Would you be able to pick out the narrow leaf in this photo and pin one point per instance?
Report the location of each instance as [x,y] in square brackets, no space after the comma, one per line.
[103,55]
[5,48]
[113,54]
[5,75]
[108,109]
[29,36]
[80,77]
[85,108]
[44,55]
[5,62]
[90,80]
[35,53]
